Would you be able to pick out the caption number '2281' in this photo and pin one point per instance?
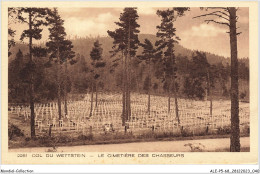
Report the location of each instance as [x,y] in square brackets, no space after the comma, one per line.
[21,155]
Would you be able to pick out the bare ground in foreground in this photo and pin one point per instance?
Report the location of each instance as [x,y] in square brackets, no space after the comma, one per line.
[205,145]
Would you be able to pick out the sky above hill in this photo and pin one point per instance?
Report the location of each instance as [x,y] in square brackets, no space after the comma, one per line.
[194,33]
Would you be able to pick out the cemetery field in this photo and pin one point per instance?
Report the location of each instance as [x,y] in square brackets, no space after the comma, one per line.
[104,125]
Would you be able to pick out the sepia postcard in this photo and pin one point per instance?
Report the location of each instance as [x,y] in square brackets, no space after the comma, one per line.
[129,82]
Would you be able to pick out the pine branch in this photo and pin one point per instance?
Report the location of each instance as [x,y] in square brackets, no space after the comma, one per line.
[237,18]
[222,13]
[211,14]
[217,22]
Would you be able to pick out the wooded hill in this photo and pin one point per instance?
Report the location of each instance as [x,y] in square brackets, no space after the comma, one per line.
[83,47]
[110,81]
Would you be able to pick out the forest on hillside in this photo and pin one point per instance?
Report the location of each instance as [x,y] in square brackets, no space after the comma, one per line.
[78,77]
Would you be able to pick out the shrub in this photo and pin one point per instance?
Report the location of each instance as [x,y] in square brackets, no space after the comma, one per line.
[164,135]
[82,137]
[146,135]
[13,130]
[27,139]
[223,131]
[127,135]
[50,141]
[245,129]
[46,140]
[201,131]
[186,132]
[88,137]
[242,95]
[63,139]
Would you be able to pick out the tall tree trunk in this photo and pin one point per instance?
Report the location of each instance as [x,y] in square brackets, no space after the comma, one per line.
[31,80]
[149,85]
[149,98]
[211,107]
[209,93]
[128,57]
[235,132]
[176,107]
[128,92]
[59,85]
[169,97]
[176,99]
[91,102]
[96,93]
[175,90]
[207,90]
[137,82]
[65,89]
[124,89]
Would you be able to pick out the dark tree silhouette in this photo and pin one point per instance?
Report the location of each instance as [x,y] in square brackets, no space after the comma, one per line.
[167,34]
[228,17]
[200,79]
[36,18]
[15,83]
[97,63]
[12,12]
[119,46]
[60,50]
[68,57]
[126,41]
[149,55]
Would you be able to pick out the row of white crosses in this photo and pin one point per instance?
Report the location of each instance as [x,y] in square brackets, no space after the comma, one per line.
[101,115]
[107,113]
[158,115]
[191,113]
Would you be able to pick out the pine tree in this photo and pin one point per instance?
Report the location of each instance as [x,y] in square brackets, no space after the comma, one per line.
[36,18]
[126,41]
[97,63]
[11,16]
[67,56]
[199,74]
[228,16]
[14,81]
[60,51]
[167,34]
[149,55]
